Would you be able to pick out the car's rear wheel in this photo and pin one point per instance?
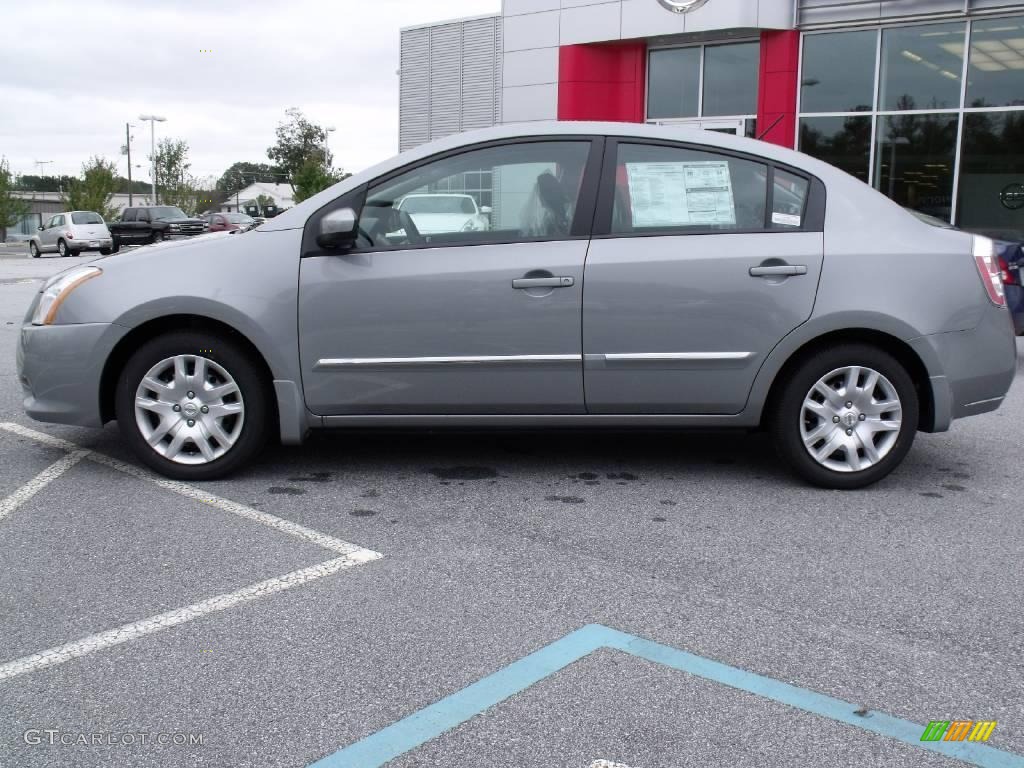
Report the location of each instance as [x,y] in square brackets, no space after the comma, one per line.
[846,416]
[33,250]
[193,406]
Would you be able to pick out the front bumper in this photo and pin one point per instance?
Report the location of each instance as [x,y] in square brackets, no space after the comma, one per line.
[1015,303]
[60,367]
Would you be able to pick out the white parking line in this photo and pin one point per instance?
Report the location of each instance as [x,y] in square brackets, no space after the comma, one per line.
[61,653]
[351,556]
[40,481]
[184,489]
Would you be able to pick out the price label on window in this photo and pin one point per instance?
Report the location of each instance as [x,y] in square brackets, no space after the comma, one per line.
[681,194]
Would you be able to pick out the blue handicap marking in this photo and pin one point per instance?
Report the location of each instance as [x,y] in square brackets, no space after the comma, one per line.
[433,720]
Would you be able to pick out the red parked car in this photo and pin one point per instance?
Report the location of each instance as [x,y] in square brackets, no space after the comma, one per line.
[226,222]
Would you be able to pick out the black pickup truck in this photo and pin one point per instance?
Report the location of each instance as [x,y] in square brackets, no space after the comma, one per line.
[151,224]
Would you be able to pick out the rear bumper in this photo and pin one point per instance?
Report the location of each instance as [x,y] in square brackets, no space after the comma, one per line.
[972,370]
[60,367]
[87,244]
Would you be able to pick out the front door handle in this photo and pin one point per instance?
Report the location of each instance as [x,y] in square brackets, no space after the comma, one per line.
[543,282]
[778,270]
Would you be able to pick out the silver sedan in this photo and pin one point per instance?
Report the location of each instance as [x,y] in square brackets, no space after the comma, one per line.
[627,276]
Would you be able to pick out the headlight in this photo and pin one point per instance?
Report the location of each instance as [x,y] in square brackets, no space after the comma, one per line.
[57,289]
[174,227]
[470,226]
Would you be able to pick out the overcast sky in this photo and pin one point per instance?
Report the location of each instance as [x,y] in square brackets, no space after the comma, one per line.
[73,72]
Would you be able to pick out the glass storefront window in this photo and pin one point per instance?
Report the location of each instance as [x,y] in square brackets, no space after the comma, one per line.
[845,142]
[995,77]
[673,83]
[838,72]
[922,67]
[730,79]
[914,160]
[992,175]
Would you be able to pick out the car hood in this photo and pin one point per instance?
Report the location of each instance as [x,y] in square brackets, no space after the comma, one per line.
[186,220]
[440,222]
[158,250]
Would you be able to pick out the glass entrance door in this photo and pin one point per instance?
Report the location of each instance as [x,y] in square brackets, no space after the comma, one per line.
[734,126]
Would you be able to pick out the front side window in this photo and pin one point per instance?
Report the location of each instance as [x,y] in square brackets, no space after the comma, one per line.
[58,221]
[533,191]
[676,189]
[167,212]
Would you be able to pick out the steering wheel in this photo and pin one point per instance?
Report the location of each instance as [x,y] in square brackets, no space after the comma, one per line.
[395,221]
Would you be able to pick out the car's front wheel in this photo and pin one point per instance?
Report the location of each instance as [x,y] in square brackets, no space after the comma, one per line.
[158,236]
[846,416]
[193,406]
[62,248]
[33,250]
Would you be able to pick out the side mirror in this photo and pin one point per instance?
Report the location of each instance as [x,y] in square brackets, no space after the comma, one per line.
[42,229]
[337,229]
[485,209]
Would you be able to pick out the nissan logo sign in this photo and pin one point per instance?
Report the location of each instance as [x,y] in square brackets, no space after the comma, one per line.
[682,6]
[1012,197]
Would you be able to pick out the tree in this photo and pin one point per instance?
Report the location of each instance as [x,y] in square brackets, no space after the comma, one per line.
[243,173]
[175,186]
[313,176]
[94,191]
[301,147]
[11,208]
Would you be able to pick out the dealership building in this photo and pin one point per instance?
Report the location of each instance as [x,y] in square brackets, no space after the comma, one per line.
[923,99]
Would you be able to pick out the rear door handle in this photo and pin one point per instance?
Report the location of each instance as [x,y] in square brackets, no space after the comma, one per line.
[783,270]
[543,282]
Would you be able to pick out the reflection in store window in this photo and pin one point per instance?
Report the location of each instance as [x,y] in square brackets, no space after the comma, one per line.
[838,72]
[922,67]
[845,142]
[914,161]
[996,74]
[992,175]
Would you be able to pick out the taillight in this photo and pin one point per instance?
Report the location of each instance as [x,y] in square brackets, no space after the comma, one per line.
[988,268]
[1004,272]
[69,235]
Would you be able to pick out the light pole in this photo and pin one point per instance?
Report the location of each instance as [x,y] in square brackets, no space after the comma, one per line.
[153,120]
[39,164]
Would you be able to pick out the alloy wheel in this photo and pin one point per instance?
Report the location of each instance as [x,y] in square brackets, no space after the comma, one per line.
[850,419]
[189,409]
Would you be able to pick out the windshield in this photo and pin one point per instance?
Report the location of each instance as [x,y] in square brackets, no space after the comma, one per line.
[86,217]
[167,212]
[238,218]
[438,204]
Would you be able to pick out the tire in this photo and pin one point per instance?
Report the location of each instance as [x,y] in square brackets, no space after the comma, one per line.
[115,246]
[105,251]
[33,250]
[182,458]
[887,416]
[62,248]
[158,236]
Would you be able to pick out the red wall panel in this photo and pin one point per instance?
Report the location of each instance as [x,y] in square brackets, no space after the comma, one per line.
[602,81]
[777,86]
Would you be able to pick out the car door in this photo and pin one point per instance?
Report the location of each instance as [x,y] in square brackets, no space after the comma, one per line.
[47,238]
[53,232]
[702,261]
[475,321]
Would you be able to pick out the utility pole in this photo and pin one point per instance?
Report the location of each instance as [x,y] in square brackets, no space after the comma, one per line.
[128,149]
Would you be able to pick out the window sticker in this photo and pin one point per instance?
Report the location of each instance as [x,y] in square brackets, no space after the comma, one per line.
[785,219]
[680,194]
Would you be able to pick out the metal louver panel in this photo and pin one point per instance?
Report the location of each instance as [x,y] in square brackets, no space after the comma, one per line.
[450,79]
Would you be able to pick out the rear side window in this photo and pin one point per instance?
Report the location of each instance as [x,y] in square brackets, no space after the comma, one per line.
[789,200]
[85,217]
[677,189]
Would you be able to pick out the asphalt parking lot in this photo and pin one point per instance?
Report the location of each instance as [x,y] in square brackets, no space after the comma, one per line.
[521,599]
